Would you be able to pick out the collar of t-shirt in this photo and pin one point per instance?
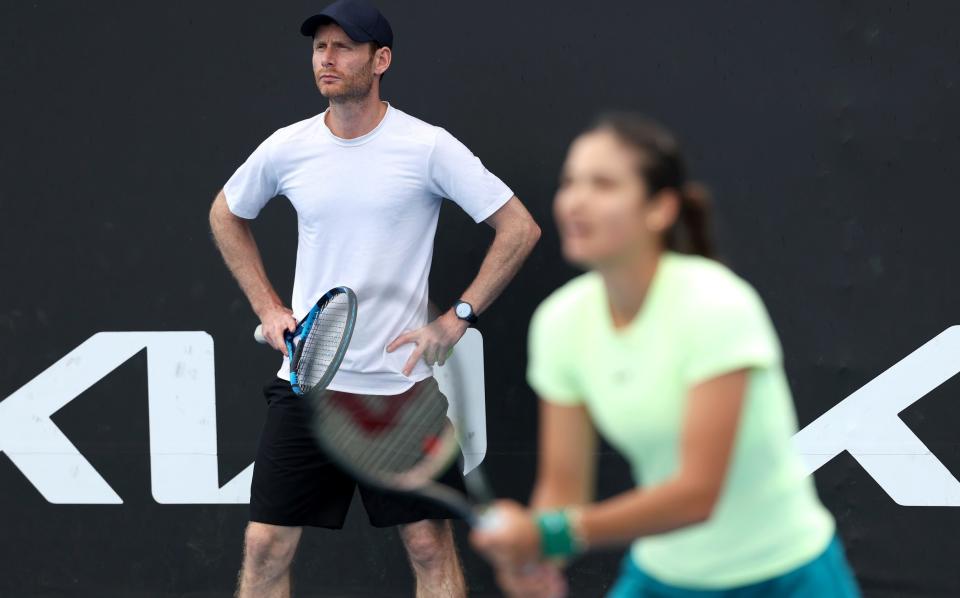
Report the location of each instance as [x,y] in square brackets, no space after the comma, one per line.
[363,138]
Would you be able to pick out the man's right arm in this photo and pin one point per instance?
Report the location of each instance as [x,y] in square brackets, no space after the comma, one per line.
[239,249]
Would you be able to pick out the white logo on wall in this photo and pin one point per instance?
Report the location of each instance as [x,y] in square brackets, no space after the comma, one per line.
[867,425]
[183,435]
[182,413]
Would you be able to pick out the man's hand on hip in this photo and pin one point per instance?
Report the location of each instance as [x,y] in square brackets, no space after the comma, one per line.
[434,341]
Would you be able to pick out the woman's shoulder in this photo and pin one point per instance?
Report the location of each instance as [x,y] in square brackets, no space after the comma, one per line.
[574,296]
[570,309]
[702,282]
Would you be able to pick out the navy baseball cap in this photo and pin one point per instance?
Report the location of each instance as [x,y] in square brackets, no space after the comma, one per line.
[358,18]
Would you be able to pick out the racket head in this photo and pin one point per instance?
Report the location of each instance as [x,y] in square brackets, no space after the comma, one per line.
[404,443]
[397,442]
[316,348]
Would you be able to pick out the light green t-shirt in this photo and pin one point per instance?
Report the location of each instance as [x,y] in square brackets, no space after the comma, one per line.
[698,321]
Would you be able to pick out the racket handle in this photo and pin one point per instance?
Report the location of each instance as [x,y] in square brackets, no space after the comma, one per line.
[258,335]
[489,519]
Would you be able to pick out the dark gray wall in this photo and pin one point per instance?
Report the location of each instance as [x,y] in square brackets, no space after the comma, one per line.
[828,131]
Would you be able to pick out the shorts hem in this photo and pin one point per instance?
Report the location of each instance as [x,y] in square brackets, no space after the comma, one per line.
[408,521]
[284,521]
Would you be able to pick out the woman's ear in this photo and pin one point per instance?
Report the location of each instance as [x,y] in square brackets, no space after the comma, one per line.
[662,210]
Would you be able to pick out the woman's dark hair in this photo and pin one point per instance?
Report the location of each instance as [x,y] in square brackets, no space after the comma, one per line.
[661,166]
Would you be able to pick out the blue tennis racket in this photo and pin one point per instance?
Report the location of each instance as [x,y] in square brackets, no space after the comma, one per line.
[320,340]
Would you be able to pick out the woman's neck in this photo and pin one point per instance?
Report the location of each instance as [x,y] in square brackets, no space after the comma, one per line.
[627,285]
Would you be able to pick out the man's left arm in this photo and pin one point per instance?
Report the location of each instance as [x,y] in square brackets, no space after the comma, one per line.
[516,235]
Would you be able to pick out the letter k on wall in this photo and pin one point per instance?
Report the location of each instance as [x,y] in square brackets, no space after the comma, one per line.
[867,425]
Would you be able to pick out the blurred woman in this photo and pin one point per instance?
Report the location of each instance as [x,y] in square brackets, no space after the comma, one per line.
[673,359]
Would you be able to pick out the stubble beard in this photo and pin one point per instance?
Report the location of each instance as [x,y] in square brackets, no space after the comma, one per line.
[355,88]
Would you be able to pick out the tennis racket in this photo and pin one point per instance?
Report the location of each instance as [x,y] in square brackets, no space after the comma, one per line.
[316,347]
[403,443]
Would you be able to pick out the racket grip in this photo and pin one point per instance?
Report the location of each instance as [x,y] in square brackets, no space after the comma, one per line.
[258,335]
[489,519]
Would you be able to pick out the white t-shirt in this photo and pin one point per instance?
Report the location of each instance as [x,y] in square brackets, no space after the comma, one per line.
[367,211]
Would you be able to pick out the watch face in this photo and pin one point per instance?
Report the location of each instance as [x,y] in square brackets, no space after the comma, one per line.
[463,310]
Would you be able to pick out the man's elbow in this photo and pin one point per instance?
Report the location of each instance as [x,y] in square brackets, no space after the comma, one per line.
[533,234]
[514,224]
[528,232]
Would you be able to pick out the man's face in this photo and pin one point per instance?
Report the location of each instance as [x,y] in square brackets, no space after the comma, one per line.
[343,69]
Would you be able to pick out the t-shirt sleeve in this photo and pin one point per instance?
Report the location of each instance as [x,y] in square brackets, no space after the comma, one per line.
[253,184]
[549,360]
[729,331]
[457,174]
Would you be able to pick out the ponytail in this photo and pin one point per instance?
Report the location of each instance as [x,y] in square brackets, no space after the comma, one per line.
[692,232]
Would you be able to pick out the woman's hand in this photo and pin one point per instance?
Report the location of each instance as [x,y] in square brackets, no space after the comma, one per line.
[512,541]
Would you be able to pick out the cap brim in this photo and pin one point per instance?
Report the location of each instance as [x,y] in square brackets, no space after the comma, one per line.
[309,27]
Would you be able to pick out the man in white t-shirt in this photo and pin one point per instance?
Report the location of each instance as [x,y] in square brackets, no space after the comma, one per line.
[366,181]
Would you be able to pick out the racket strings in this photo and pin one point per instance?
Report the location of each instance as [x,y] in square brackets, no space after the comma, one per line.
[393,449]
[322,342]
[409,442]
[416,445]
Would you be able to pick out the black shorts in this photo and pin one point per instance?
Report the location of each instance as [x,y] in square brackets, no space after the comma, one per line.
[295,484]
